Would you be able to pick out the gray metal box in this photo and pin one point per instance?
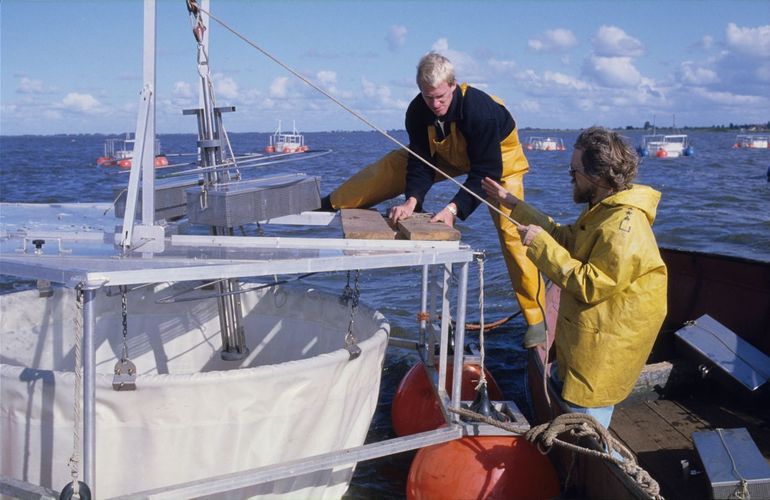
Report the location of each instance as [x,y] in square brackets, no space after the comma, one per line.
[249,201]
[719,450]
[714,345]
[170,199]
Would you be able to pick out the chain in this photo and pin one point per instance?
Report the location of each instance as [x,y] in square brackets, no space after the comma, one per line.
[347,292]
[124,313]
[350,338]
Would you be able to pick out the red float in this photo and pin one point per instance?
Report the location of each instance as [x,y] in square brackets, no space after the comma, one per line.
[662,153]
[415,407]
[161,161]
[488,467]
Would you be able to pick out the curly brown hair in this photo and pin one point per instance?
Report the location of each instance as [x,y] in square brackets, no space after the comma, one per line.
[607,155]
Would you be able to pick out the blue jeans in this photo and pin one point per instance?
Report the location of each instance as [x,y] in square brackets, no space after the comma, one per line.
[603,414]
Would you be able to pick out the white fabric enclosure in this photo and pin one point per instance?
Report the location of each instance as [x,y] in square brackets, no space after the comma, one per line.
[192,415]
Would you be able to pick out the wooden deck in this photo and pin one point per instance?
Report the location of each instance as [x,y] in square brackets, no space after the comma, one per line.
[659,432]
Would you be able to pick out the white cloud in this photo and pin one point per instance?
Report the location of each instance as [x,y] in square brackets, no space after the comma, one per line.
[182,89]
[225,87]
[754,42]
[81,103]
[566,81]
[279,88]
[466,66]
[555,40]
[694,74]
[613,71]
[729,98]
[611,41]
[30,86]
[396,37]
[707,42]
[327,77]
[501,67]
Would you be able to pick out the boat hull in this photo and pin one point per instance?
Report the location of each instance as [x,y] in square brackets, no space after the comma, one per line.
[192,415]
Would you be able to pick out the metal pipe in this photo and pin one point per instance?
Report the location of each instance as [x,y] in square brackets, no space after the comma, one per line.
[89,389]
[462,296]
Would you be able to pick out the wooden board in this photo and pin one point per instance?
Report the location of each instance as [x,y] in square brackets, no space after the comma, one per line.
[365,224]
[419,227]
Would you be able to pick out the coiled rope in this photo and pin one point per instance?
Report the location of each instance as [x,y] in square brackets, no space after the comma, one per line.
[578,425]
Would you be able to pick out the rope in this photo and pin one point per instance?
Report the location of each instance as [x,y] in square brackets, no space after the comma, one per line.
[580,425]
[74,461]
[741,491]
[474,327]
[356,114]
[483,377]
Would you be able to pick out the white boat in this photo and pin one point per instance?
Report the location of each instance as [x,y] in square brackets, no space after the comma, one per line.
[752,141]
[285,142]
[545,144]
[119,151]
[665,146]
[154,363]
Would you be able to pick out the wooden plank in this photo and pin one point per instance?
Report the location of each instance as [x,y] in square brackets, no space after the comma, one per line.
[364,224]
[419,227]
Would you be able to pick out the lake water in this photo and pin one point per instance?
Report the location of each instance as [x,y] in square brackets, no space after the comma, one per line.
[717,201]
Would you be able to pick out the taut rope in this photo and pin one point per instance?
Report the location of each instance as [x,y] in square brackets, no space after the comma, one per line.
[192,5]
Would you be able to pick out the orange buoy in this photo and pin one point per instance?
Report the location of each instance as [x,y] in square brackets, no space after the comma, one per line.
[161,161]
[102,160]
[415,407]
[661,153]
[124,163]
[489,467]
[269,149]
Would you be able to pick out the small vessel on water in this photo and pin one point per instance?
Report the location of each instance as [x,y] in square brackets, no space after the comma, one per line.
[752,141]
[545,144]
[665,146]
[698,419]
[119,151]
[286,142]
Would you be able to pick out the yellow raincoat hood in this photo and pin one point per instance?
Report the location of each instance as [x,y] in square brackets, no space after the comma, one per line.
[613,299]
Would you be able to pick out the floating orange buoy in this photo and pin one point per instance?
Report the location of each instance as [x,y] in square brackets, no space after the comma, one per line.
[489,467]
[415,407]
[161,161]
[662,153]
[124,163]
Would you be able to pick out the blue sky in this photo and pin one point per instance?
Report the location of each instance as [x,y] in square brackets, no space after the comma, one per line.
[76,66]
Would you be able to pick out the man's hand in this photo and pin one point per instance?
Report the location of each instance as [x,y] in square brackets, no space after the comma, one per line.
[445,216]
[403,211]
[496,192]
[528,233]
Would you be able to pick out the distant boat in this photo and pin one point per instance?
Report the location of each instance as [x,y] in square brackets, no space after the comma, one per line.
[752,141]
[665,146]
[119,152]
[545,144]
[284,142]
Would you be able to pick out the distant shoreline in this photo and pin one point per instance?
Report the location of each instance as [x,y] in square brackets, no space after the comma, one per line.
[736,129]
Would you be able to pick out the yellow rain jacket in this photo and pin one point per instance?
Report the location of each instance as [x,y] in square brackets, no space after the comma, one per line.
[613,299]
